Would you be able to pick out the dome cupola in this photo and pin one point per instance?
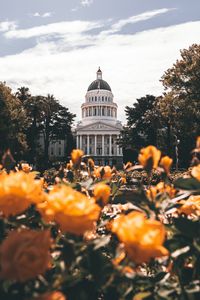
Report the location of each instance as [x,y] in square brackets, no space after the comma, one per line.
[99,83]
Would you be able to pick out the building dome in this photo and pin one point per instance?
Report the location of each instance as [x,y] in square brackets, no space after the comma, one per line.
[99,83]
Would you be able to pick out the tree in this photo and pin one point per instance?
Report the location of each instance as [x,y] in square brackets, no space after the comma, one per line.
[13,120]
[180,104]
[142,124]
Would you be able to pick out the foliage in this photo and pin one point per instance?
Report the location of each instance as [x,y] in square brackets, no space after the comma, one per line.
[113,234]
[172,120]
[48,120]
[12,122]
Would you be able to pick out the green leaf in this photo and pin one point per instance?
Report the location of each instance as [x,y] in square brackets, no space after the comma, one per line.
[187,184]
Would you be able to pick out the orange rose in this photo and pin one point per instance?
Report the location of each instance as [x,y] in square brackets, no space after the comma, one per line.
[103,172]
[25,254]
[102,192]
[149,157]
[18,191]
[196,172]
[198,143]
[51,296]
[166,163]
[143,239]
[91,163]
[190,206]
[160,188]
[76,156]
[73,211]
[26,167]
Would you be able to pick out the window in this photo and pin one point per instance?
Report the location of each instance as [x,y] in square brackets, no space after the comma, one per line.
[99,98]
[59,142]
[59,151]
[107,150]
[103,98]
[103,111]
[106,98]
[95,98]
[95,111]
[51,151]
[90,141]
[108,140]
[92,99]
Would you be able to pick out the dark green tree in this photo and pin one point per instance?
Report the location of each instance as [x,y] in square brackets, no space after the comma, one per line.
[180,104]
[142,124]
[13,120]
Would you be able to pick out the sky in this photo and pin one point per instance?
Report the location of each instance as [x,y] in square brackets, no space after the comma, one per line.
[56,47]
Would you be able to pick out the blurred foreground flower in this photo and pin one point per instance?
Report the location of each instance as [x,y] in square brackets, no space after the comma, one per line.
[149,157]
[102,192]
[18,191]
[25,254]
[143,238]
[76,156]
[73,211]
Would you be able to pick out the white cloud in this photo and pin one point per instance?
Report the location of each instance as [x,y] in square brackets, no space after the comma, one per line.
[7,26]
[86,3]
[44,15]
[60,28]
[132,64]
[118,26]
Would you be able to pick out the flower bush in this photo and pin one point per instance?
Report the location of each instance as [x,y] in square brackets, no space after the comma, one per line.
[96,233]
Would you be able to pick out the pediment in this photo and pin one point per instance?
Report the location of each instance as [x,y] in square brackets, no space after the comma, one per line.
[99,126]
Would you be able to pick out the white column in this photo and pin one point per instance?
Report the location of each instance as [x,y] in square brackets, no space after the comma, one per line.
[80,142]
[88,141]
[103,144]
[110,144]
[77,145]
[95,144]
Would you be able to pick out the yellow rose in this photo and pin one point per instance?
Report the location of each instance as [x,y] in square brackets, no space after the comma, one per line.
[190,206]
[76,156]
[73,211]
[143,239]
[25,254]
[166,163]
[18,191]
[102,192]
[196,172]
[51,296]
[149,157]
[103,172]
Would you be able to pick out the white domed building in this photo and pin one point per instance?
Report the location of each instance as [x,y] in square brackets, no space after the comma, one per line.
[99,129]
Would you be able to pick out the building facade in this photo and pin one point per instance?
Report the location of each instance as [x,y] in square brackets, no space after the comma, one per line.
[98,131]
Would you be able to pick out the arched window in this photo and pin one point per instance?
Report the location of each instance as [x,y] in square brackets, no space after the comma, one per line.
[103,98]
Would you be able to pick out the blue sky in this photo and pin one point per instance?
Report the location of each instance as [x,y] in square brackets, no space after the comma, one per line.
[56,46]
